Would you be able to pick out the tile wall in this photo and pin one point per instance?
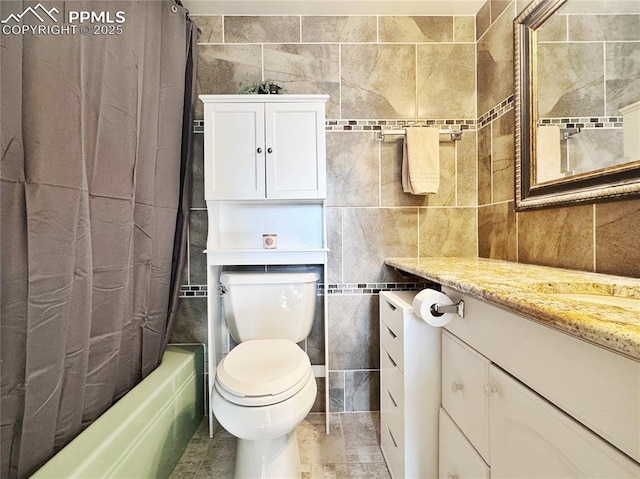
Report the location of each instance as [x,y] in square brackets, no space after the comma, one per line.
[380,72]
[385,72]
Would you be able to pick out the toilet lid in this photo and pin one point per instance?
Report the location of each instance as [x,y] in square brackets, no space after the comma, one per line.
[263,367]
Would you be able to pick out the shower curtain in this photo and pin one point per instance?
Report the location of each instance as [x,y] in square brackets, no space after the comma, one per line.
[95,192]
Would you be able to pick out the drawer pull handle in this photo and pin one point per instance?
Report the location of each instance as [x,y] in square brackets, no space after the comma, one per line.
[451,475]
[392,400]
[455,387]
[391,306]
[395,444]
[490,389]
[392,361]
[393,335]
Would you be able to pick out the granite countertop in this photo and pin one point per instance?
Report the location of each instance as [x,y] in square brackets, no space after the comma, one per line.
[531,291]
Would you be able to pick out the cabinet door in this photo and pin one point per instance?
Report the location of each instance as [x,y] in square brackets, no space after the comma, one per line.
[531,438]
[458,458]
[295,145]
[464,378]
[234,151]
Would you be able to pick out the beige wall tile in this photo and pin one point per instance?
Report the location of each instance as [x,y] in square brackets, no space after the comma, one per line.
[352,169]
[502,157]
[368,88]
[334,240]
[495,64]
[497,7]
[306,69]
[210,28]
[415,29]
[348,29]
[483,19]
[560,237]
[617,233]
[497,232]
[464,29]
[484,166]
[224,68]
[446,81]
[263,29]
[354,332]
[448,232]
[373,234]
[467,167]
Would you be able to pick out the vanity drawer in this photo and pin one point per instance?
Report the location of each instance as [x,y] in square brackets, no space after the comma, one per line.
[458,458]
[465,375]
[392,316]
[392,381]
[392,343]
[393,454]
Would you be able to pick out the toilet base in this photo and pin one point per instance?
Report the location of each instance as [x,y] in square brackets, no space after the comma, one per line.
[268,458]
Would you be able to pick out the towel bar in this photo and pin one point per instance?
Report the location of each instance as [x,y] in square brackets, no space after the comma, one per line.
[454,134]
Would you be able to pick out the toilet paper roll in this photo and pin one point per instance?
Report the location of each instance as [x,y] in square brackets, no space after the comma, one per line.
[422,307]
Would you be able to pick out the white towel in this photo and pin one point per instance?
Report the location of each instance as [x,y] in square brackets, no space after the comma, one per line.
[421,161]
[548,162]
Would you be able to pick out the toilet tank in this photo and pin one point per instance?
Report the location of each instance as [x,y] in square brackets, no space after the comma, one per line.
[269,305]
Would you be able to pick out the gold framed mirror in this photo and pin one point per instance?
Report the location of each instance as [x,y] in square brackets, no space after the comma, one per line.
[577,102]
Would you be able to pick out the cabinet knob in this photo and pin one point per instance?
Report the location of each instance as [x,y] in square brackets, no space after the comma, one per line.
[489,389]
[269,150]
[259,150]
[455,387]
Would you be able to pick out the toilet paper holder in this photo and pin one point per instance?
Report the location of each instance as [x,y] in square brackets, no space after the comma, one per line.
[438,309]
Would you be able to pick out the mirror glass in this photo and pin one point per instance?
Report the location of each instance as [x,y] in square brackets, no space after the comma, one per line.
[577,101]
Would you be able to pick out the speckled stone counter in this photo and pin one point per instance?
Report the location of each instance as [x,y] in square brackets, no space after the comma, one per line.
[532,291]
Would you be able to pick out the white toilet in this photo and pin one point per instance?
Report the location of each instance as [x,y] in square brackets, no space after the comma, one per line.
[265,387]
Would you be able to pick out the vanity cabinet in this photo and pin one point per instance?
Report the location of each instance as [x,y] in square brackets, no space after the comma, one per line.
[553,406]
[265,147]
[410,378]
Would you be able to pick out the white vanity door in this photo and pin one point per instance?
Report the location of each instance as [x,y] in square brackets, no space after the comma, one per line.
[464,378]
[530,438]
[457,458]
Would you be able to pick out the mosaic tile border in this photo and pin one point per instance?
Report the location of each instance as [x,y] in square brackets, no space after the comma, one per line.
[374,288]
[193,291]
[497,111]
[377,125]
[200,290]
[588,122]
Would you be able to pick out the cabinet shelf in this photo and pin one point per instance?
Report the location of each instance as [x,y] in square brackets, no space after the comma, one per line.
[267,256]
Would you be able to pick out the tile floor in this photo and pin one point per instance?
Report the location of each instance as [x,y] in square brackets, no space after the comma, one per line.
[352,449]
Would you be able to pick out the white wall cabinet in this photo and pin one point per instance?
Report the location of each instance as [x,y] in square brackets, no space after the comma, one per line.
[554,406]
[409,388]
[265,147]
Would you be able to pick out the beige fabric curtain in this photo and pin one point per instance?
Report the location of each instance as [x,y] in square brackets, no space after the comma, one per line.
[93,173]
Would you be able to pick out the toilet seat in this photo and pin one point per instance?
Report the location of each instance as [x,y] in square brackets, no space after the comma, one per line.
[263,372]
